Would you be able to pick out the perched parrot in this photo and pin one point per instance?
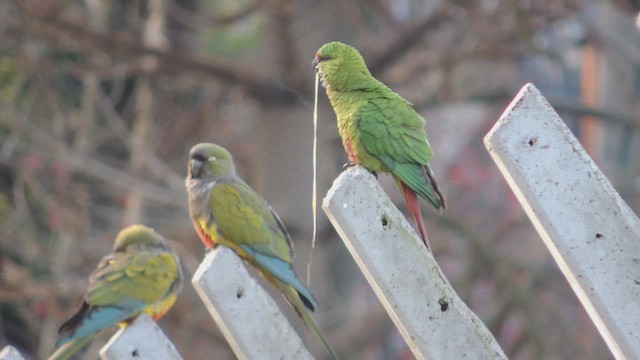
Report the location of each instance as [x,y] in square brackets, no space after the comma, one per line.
[142,274]
[379,129]
[226,211]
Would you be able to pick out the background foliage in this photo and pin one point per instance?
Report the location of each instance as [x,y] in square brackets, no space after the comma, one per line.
[100,102]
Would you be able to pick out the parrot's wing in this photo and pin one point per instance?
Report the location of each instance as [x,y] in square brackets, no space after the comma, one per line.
[65,351]
[284,272]
[144,276]
[244,218]
[94,319]
[394,133]
[391,128]
[121,286]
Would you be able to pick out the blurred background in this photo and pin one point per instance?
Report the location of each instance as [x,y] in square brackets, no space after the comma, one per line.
[100,102]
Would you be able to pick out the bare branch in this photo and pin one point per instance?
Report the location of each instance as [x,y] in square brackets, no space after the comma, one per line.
[407,40]
[91,166]
[45,21]
[193,20]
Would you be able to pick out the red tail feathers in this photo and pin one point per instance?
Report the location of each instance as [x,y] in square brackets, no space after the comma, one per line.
[414,209]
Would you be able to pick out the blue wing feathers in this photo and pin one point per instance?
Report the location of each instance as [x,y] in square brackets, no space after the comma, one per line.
[98,318]
[283,271]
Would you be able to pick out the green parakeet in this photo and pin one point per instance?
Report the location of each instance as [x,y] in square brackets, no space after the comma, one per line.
[142,274]
[379,129]
[226,211]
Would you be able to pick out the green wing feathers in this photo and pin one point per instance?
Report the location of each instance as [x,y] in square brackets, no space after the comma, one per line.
[395,131]
[143,274]
[244,218]
[414,177]
[145,277]
[247,224]
[395,135]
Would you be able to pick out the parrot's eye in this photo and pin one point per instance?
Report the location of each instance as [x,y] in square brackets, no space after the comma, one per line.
[198,157]
[318,59]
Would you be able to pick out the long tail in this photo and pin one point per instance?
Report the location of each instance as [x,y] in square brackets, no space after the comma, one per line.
[292,296]
[411,200]
[91,319]
[66,350]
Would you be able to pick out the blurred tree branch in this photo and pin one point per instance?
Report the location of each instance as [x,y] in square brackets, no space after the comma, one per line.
[407,39]
[574,107]
[43,19]
[72,103]
[50,147]
[196,21]
[281,16]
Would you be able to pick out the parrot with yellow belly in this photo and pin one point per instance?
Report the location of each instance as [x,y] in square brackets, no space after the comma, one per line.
[225,211]
[142,275]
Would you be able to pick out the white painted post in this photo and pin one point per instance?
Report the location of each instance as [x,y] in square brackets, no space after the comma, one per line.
[433,320]
[10,353]
[589,230]
[142,339]
[248,317]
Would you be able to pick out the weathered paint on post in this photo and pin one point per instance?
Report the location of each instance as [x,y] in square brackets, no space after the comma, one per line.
[141,340]
[433,320]
[589,230]
[248,317]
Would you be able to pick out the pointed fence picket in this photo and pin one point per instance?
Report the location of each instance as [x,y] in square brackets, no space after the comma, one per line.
[589,230]
[432,319]
[247,315]
[10,353]
[141,340]
[591,233]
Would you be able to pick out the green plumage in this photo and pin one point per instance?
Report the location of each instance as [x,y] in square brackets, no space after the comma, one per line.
[142,274]
[380,130]
[243,216]
[226,211]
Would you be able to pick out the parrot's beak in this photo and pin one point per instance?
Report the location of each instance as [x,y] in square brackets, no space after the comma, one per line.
[314,63]
[195,168]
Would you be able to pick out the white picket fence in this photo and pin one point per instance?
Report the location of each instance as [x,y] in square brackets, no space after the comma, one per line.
[590,231]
